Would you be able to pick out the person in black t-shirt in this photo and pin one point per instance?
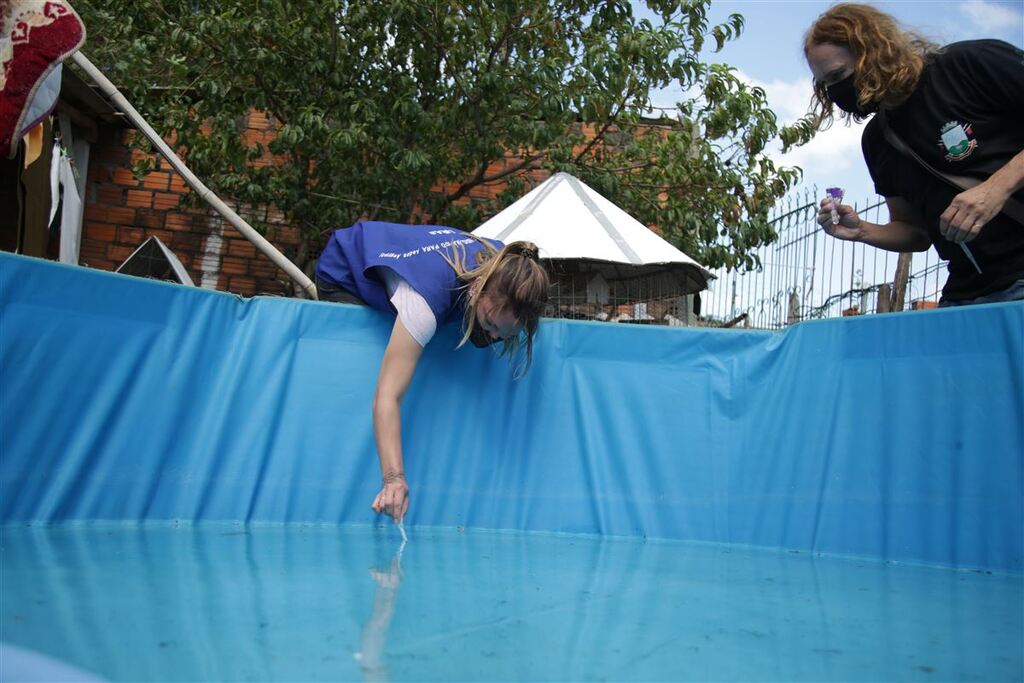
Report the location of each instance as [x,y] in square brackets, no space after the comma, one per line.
[961,109]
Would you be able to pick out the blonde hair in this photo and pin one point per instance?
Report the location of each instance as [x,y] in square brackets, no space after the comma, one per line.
[514,279]
[889,60]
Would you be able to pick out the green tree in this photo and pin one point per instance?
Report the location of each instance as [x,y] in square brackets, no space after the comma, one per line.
[403,109]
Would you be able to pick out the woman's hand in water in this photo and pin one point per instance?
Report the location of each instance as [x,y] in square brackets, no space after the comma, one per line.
[393,499]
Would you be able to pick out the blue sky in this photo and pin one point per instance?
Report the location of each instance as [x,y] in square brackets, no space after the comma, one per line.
[769,54]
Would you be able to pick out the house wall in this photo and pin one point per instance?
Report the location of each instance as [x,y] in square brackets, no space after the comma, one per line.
[121,212]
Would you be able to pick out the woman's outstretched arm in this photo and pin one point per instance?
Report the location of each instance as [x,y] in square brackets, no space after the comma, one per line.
[396,371]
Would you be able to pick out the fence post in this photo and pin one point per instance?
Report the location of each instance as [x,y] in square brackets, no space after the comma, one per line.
[899,285]
[884,298]
[793,313]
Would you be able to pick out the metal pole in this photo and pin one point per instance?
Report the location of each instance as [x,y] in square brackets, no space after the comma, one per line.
[207,195]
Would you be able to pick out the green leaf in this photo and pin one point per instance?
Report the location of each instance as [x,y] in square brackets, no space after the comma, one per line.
[408,110]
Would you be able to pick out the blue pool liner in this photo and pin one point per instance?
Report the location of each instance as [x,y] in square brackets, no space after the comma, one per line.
[898,437]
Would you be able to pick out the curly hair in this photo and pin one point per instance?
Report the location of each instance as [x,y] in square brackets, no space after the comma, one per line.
[517,282]
[889,60]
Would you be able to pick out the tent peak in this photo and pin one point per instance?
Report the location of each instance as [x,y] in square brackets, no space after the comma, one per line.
[567,219]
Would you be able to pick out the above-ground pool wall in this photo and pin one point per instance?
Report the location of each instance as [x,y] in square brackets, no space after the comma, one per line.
[898,436]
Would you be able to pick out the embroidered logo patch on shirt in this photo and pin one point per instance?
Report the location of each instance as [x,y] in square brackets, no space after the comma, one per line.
[957,139]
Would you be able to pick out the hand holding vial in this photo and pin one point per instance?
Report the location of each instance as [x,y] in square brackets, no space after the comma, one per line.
[836,195]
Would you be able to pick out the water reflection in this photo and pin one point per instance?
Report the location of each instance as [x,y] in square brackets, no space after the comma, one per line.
[299,603]
[387,578]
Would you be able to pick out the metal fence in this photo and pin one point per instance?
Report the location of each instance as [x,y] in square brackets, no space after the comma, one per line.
[807,274]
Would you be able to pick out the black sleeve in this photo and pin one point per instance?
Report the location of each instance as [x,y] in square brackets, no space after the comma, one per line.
[881,158]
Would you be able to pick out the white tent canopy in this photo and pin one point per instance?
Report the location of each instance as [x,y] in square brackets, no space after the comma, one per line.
[567,219]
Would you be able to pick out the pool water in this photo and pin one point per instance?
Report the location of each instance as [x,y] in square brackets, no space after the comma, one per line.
[224,602]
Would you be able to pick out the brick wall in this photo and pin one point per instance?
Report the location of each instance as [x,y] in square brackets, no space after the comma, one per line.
[121,212]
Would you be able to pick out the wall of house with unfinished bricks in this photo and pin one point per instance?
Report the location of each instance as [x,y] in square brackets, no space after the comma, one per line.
[121,212]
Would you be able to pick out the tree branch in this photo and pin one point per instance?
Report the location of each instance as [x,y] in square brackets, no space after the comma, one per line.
[480,179]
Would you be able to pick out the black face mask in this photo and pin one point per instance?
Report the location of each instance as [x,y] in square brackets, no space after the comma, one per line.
[480,338]
[844,95]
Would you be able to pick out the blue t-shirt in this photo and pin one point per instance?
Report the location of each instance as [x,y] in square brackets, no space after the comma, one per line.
[414,252]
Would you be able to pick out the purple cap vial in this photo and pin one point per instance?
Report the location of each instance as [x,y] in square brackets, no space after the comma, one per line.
[836,195]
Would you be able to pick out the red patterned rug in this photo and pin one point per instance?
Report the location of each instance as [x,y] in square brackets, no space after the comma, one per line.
[35,36]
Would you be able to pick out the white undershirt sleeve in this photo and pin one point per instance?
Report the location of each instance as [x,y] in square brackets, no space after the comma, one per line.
[413,310]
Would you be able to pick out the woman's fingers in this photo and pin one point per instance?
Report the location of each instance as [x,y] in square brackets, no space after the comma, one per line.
[392,501]
[968,213]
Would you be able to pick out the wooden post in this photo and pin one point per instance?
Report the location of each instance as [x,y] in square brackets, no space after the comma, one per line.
[899,285]
[793,313]
[884,298]
[741,318]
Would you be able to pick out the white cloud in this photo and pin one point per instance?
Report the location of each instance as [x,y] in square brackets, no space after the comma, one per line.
[833,157]
[666,100]
[992,17]
[790,100]
[837,148]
